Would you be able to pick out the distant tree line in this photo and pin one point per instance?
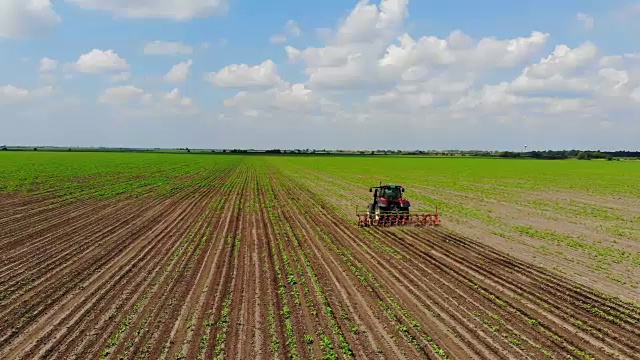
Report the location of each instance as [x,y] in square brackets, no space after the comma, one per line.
[623,154]
[565,154]
[588,155]
[546,155]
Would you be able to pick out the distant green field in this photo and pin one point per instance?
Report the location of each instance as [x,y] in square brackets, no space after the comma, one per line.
[34,171]
[106,174]
[476,174]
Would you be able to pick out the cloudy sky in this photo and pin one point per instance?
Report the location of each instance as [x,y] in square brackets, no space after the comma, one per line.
[392,74]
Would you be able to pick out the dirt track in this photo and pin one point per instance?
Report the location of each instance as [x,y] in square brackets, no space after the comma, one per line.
[256,266]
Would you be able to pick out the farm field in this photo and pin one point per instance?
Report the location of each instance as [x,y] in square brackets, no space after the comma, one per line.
[580,219]
[212,256]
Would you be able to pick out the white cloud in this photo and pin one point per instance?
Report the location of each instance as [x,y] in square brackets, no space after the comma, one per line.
[402,102]
[147,99]
[245,76]
[179,72]
[565,70]
[350,53]
[43,91]
[174,97]
[587,20]
[291,30]
[556,84]
[459,49]
[10,94]
[131,102]
[163,9]
[370,22]
[122,77]
[294,97]
[361,51]
[507,53]
[319,57]
[615,60]
[23,18]
[47,65]
[121,95]
[167,48]
[98,61]
[564,60]
[129,96]
[616,77]
[570,80]
[278,38]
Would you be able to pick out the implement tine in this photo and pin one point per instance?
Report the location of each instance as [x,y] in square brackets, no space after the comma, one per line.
[390,219]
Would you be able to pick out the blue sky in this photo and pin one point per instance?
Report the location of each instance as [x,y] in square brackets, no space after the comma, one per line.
[483,74]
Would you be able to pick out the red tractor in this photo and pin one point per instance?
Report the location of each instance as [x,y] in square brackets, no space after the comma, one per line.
[389,208]
[388,199]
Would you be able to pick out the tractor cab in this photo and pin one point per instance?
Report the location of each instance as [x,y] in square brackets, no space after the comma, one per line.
[389,198]
[392,192]
[389,192]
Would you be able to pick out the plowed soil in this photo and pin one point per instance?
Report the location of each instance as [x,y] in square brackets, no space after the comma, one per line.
[255,266]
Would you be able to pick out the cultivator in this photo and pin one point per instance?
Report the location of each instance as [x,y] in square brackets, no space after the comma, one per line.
[390,208]
[385,219]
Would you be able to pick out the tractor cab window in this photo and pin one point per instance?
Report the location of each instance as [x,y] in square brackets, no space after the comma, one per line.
[391,194]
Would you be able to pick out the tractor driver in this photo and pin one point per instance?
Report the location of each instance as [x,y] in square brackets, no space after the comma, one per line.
[392,194]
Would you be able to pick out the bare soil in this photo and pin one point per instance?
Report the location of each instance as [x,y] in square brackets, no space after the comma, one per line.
[264,268]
